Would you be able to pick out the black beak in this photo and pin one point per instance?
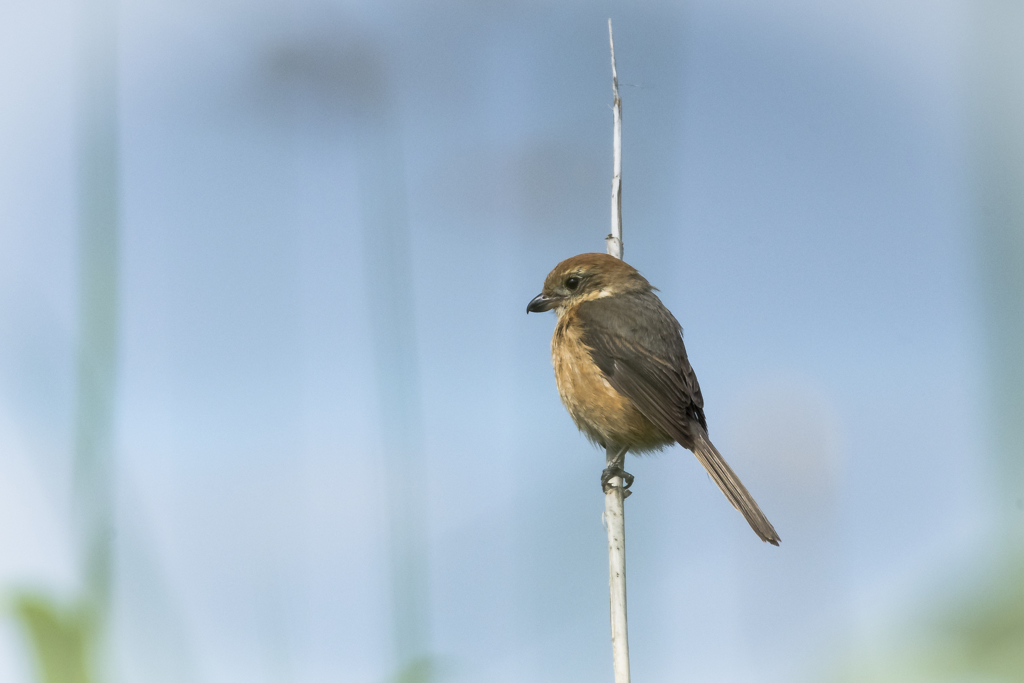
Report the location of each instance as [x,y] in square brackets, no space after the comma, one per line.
[541,303]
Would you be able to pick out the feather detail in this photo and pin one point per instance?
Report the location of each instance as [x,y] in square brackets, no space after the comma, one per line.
[733,488]
[638,346]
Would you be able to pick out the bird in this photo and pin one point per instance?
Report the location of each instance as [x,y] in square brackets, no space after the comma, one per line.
[623,375]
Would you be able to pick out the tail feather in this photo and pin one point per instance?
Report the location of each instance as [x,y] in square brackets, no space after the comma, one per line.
[732,487]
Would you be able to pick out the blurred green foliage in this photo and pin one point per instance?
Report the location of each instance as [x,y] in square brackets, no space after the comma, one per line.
[985,635]
[419,670]
[978,636]
[63,638]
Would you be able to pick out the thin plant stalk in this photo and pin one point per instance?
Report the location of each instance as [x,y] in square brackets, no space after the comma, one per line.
[614,511]
[614,239]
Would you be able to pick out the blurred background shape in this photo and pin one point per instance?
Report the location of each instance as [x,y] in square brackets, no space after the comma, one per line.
[997,134]
[270,408]
[68,637]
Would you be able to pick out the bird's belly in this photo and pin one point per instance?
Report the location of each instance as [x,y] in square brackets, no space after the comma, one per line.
[603,414]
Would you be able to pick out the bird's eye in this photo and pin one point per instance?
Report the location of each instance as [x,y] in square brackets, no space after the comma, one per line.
[572,283]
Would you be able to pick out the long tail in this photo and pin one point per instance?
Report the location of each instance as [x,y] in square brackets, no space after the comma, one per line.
[732,487]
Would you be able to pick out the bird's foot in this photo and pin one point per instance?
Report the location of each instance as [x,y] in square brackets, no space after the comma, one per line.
[610,473]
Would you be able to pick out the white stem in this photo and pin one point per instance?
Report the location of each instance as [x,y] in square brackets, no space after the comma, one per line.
[614,239]
[615,525]
[614,511]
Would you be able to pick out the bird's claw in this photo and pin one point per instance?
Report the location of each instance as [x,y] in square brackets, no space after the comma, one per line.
[610,473]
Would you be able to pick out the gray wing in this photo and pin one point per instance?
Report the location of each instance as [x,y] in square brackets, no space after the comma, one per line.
[638,345]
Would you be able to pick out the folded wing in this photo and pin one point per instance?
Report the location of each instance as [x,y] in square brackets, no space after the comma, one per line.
[637,343]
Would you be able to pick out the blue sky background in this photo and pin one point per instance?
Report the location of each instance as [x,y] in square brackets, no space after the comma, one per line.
[794,184]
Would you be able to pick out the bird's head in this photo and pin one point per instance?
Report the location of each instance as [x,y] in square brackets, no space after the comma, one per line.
[584,278]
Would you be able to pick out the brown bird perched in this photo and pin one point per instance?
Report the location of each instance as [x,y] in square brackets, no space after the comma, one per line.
[622,371]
